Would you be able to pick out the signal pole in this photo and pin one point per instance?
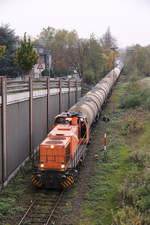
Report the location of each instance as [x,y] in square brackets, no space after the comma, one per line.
[105,119]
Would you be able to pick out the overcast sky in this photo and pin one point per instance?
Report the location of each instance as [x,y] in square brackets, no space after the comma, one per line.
[129,20]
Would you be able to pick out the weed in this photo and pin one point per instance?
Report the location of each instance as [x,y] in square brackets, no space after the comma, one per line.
[131,126]
[139,157]
[135,97]
[6,206]
[135,190]
[127,216]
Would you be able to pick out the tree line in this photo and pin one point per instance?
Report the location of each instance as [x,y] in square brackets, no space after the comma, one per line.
[137,61]
[91,58]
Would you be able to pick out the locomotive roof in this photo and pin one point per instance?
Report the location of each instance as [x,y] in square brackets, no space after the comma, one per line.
[64,130]
[56,140]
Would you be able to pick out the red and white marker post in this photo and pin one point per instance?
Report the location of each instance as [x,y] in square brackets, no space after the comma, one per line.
[105,148]
[105,119]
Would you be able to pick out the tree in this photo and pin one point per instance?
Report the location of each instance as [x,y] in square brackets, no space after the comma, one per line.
[2,51]
[7,65]
[137,60]
[26,57]
[108,41]
[90,59]
[109,44]
[87,56]
[62,44]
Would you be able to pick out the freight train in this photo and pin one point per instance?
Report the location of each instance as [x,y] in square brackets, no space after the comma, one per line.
[65,146]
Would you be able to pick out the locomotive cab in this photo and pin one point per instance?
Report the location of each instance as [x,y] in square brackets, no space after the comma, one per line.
[83,129]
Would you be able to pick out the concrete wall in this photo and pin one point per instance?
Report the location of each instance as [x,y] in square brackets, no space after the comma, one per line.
[17,133]
[39,120]
[18,123]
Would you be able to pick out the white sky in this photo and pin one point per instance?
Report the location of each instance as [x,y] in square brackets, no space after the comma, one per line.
[129,20]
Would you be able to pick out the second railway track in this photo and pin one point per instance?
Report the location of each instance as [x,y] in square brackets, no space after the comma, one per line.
[42,211]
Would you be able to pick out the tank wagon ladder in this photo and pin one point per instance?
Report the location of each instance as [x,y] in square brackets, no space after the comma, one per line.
[41,211]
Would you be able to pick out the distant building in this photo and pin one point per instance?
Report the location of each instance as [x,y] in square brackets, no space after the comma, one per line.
[44,61]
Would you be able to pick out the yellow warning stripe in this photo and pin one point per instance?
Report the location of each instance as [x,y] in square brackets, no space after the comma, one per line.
[33,179]
[71,178]
[68,178]
[35,182]
[67,181]
[64,185]
[38,182]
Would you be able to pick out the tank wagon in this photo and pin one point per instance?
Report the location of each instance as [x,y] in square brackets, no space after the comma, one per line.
[65,146]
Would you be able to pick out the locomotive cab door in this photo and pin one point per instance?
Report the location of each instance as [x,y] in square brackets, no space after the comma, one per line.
[83,130]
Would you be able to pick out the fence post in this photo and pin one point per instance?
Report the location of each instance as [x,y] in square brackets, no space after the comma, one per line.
[4,129]
[30,116]
[69,94]
[76,91]
[47,84]
[60,95]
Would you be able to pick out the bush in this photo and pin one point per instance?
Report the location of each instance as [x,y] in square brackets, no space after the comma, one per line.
[89,76]
[132,125]
[128,216]
[135,190]
[140,158]
[6,206]
[131,101]
[135,97]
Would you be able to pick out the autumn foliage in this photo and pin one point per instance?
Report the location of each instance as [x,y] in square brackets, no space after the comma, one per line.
[2,51]
[91,58]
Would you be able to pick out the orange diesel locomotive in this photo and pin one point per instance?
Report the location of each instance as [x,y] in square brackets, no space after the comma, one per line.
[65,146]
[61,151]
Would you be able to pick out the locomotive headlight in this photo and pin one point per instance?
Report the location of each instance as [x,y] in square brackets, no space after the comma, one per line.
[42,165]
[62,166]
[51,146]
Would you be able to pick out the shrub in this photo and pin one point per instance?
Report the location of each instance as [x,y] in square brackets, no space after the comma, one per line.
[139,158]
[131,101]
[5,206]
[135,190]
[132,125]
[128,216]
[135,97]
[89,76]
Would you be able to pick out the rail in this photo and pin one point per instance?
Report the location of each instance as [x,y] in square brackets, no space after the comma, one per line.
[41,211]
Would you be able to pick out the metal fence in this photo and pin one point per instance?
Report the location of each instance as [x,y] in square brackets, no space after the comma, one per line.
[14,86]
[10,87]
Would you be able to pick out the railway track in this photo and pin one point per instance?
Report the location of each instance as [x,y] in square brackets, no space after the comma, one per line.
[41,211]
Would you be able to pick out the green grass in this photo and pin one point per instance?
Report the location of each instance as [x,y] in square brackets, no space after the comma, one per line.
[10,195]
